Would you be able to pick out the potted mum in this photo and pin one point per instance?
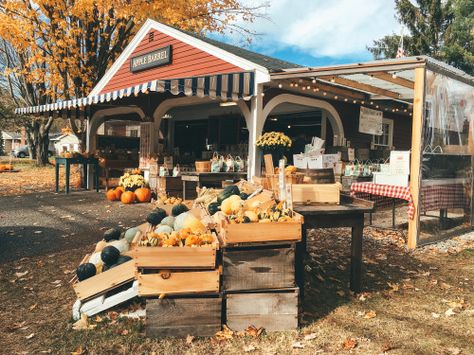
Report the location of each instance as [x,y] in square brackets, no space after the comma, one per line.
[274,143]
[132,180]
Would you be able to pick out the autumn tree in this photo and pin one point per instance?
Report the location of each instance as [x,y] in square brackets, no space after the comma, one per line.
[442,29]
[59,49]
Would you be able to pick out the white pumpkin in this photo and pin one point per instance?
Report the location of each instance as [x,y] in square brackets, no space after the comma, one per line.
[130,234]
[122,245]
[163,229]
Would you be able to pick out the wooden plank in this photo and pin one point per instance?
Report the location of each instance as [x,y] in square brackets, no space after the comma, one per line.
[261,232]
[273,311]
[269,164]
[105,281]
[416,153]
[179,317]
[397,80]
[360,86]
[318,193]
[334,90]
[173,283]
[185,257]
[258,268]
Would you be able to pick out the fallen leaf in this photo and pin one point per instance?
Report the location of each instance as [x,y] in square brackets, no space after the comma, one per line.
[21,274]
[297,345]
[449,312]
[83,323]
[320,278]
[444,286]
[249,348]
[79,351]
[124,332]
[370,315]
[394,287]
[349,344]
[310,336]
[454,351]
[362,298]
[98,319]
[38,232]
[30,336]
[435,315]
[341,293]
[189,339]
[225,333]
[113,315]
[253,331]
[33,306]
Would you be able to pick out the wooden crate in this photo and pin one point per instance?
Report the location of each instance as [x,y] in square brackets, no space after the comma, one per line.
[275,310]
[261,267]
[316,193]
[180,317]
[180,282]
[105,281]
[176,257]
[232,234]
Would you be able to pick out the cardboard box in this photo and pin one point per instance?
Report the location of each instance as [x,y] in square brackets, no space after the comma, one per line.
[300,161]
[324,161]
[391,179]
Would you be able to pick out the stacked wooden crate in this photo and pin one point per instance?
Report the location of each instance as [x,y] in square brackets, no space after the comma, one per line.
[181,285]
[258,280]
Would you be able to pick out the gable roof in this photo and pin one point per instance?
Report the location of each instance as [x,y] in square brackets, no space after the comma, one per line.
[271,63]
[242,58]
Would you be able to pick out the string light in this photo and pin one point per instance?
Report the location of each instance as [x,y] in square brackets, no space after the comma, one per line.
[263,94]
[280,85]
[333,80]
[394,75]
[296,85]
[362,102]
[314,81]
[325,93]
[291,85]
[308,87]
[303,88]
[377,106]
[345,100]
[316,89]
[371,102]
[289,126]
[354,102]
[335,97]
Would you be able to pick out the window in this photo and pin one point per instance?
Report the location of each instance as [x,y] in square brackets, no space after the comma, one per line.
[386,139]
[134,133]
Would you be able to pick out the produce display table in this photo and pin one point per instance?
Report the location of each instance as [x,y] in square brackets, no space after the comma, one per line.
[109,164]
[85,162]
[213,178]
[349,213]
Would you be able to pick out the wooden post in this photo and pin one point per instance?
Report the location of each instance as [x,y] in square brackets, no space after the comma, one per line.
[416,154]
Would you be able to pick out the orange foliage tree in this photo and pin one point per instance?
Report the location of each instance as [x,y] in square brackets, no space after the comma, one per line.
[58,49]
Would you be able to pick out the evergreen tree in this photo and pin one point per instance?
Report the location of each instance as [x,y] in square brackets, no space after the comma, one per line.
[442,29]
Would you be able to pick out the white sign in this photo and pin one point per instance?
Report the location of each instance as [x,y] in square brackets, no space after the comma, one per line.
[370,121]
[400,162]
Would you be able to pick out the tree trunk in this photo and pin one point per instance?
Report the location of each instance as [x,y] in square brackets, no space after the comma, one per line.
[42,149]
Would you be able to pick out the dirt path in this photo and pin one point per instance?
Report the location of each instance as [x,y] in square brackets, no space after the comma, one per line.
[45,223]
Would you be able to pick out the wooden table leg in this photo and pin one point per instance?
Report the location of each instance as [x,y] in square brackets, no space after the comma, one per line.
[68,173]
[56,168]
[96,177]
[300,255]
[184,190]
[356,256]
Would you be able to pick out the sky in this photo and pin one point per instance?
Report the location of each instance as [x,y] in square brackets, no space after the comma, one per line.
[320,32]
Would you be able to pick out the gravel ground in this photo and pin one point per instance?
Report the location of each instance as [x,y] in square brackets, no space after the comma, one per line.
[44,223]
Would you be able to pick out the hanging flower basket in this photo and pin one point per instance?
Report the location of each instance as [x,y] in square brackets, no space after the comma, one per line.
[274,143]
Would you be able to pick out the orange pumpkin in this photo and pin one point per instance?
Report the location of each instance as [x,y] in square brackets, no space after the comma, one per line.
[118,193]
[6,167]
[143,194]
[110,195]
[120,188]
[128,197]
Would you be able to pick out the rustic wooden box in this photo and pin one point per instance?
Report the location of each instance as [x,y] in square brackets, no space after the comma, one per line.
[275,310]
[259,267]
[176,257]
[180,317]
[105,281]
[261,232]
[179,282]
[316,193]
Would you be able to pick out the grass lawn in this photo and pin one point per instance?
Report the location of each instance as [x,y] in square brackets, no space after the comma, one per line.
[31,178]
[413,303]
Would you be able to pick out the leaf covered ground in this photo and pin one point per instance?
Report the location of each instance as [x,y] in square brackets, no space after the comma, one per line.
[413,303]
[31,178]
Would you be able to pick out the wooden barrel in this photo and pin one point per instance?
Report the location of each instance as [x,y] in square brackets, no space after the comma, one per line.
[319,176]
[203,166]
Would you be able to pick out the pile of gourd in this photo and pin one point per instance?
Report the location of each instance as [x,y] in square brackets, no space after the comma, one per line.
[142,194]
[169,200]
[180,229]
[107,253]
[233,205]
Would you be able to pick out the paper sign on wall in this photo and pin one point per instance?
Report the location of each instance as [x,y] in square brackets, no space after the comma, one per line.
[370,121]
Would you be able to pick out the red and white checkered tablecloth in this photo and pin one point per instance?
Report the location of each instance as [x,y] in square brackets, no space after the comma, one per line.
[391,191]
[432,197]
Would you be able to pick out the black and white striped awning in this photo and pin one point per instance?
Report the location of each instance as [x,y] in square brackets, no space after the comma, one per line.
[227,87]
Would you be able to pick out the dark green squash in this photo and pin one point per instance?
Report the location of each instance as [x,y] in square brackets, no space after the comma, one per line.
[154,218]
[244,196]
[227,192]
[84,271]
[110,255]
[178,209]
[246,220]
[213,208]
[160,212]
[112,234]
[121,259]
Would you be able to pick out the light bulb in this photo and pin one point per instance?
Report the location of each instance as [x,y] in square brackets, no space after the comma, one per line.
[335,97]
[325,93]
[280,86]
[314,81]
[394,75]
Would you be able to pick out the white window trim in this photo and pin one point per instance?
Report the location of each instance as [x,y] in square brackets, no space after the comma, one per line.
[390,134]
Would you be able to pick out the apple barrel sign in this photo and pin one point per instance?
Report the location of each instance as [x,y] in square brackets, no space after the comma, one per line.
[149,60]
